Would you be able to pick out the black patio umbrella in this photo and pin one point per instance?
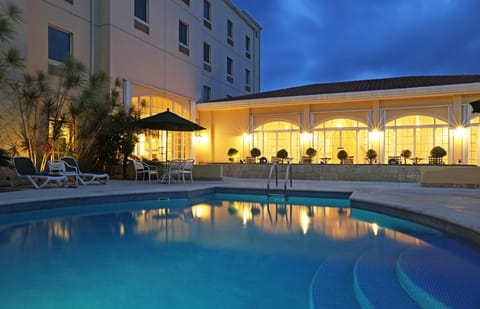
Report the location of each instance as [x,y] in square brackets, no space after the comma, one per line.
[167,121]
[476,106]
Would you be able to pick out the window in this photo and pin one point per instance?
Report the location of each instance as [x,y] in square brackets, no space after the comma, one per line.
[207,14]
[140,21]
[229,32]
[183,38]
[247,80]
[59,44]
[247,47]
[141,10]
[229,69]
[206,53]
[187,2]
[207,93]
[206,57]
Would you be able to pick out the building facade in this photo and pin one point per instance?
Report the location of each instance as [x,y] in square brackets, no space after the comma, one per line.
[386,115]
[169,53]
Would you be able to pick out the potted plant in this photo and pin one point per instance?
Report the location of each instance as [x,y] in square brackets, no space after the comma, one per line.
[342,155]
[282,154]
[405,154]
[232,154]
[311,153]
[436,155]
[254,153]
[371,156]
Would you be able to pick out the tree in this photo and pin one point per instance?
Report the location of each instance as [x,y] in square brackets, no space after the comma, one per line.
[105,131]
[10,59]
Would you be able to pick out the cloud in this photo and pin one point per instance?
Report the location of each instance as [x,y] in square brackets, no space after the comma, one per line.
[312,41]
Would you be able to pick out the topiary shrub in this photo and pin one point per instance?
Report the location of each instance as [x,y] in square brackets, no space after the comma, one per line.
[436,155]
[405,154]
[311,152]
[342,155]
[232,154]
[282,153]
[371,155]
[255,152]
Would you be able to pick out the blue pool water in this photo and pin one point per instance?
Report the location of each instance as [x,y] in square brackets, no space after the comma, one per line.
[230,251]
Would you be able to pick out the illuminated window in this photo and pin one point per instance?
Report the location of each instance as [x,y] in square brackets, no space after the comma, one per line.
[338,134]
[153,144]
[417,133]
[474,142]
[276,135]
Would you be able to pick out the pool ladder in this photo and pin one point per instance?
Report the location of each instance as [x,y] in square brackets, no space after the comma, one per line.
[288,178]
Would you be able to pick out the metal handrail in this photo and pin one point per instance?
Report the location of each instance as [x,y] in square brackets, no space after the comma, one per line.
[288,176]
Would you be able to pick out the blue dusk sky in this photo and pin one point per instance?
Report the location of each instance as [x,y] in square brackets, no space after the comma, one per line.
[318,41]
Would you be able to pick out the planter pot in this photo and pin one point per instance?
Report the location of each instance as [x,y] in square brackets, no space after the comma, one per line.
[435,161]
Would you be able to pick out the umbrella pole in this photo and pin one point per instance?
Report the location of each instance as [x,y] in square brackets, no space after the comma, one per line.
[166,147]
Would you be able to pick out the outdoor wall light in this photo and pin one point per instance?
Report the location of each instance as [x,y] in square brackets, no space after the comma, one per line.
[459,132]
[305,137]
[247,137]
[201,139]
[374,134]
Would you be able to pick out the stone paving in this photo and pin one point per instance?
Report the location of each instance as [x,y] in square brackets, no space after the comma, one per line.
[451,209]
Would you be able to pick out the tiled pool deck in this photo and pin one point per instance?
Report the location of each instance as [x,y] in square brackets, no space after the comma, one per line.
[452,209]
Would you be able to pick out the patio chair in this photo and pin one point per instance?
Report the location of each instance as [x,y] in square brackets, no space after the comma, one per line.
[71,166]
[175,170]
[57,167]
[144,169]
[25,168]
[187,169]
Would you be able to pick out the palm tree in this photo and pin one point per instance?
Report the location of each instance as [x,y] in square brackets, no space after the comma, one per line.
[5,159]
[10,59]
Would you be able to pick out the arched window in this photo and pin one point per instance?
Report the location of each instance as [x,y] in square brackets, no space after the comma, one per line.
[474,142]
[342,133]
[273,136]
[417,133]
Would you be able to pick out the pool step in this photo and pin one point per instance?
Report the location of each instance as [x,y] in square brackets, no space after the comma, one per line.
[437,278]
[332,284]
[375,281]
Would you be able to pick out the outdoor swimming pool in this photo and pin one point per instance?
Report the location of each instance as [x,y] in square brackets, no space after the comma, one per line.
[235,251]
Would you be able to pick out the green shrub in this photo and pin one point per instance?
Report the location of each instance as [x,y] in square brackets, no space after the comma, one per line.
[255,152]
[282,153]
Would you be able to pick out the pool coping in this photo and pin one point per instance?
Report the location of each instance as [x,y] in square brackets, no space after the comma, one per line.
[449,210]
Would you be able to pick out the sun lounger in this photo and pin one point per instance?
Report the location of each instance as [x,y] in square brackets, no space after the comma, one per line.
[84,178]
[25,168]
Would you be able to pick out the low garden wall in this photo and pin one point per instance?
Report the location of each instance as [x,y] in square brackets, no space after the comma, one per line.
[347,172]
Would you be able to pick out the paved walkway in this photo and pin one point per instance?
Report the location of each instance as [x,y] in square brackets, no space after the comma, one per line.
[451,209]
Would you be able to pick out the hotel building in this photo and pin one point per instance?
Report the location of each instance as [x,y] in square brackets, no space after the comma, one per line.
[169,53]
[388,115]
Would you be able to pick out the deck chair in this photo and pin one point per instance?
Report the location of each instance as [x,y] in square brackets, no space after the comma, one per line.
[25,168]
[144,169]
[84,178]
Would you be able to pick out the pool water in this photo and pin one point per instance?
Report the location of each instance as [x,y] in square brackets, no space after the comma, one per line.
[229,251]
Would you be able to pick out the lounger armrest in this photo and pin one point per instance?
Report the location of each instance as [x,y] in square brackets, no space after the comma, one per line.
[70,168]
